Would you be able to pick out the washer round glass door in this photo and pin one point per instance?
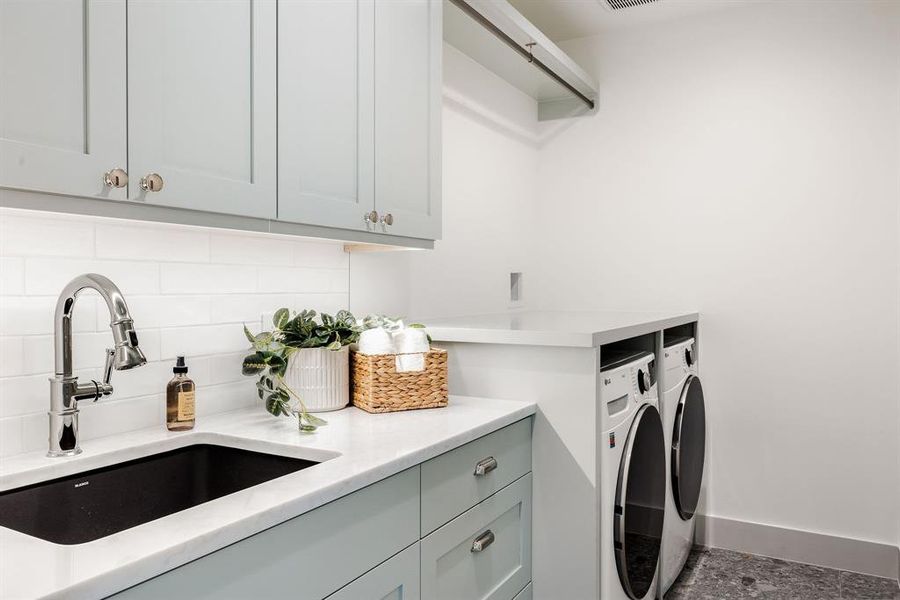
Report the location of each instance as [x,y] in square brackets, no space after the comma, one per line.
[688,447]
[640,503]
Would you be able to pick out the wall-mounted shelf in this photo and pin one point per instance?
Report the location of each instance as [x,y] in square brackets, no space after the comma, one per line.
[499,37]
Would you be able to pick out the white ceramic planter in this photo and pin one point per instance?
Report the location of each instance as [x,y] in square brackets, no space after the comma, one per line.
[320,377]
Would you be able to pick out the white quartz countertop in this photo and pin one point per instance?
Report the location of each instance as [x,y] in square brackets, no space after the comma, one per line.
[357,449]
[556,328]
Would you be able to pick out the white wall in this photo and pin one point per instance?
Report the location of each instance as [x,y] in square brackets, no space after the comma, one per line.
[490,150]
[745,163]
[188,289]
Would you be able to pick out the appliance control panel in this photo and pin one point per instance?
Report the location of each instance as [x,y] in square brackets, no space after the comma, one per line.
[680,360]
[624,389]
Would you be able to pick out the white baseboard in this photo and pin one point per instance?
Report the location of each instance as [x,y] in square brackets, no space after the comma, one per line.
[871,558]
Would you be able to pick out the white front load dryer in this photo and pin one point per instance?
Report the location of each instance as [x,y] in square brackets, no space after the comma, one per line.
[684,423]
[632,481]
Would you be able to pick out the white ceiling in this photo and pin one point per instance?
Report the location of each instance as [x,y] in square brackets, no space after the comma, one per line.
[568,19]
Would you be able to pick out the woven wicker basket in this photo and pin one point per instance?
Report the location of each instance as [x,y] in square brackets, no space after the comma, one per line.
[378,387]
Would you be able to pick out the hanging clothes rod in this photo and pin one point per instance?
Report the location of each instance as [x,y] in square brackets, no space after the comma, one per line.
[526,53]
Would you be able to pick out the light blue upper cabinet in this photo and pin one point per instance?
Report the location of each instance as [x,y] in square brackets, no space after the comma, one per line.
[316,112]
[408,47]
[62,95]
[202,104]
[359,115]
[325,112]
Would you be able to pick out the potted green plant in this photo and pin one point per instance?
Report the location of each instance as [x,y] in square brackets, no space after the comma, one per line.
[303,363]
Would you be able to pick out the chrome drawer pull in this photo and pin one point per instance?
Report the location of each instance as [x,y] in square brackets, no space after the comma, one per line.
[485,466]
[483,541]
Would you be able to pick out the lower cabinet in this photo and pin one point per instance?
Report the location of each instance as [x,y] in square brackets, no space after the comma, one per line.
[395,579]
[485,553]
[372,545]
[306,558]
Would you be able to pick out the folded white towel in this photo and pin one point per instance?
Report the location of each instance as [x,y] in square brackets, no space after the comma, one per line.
[411,340]
[376,341]
[404,363]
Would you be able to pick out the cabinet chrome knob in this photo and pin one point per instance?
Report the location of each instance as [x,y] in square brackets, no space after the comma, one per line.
[387,219]
[152,182]
[116,178]
[371,217]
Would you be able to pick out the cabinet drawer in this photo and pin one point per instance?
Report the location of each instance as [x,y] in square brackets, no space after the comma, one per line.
[395,579]
[453,569]
[451,485]
[305,558]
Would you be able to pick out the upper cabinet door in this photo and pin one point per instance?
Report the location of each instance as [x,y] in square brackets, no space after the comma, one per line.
[62,95]
[201,104]
[408,45]
[325,111]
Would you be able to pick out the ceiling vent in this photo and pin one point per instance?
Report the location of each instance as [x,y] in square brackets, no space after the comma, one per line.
[620,4]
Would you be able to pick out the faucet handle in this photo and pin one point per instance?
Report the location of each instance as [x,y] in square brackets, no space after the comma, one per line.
[108,365]
[103,387]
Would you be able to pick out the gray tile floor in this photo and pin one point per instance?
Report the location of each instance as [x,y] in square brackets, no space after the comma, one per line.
[713,574]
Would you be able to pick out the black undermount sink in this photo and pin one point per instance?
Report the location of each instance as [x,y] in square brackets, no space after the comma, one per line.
[88,506]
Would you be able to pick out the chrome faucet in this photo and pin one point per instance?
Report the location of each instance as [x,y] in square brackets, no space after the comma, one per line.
[65,391]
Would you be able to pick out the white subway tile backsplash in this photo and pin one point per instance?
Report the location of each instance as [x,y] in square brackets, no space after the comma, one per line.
[153,377]
[146,381]
[10,436]
[37,354]
[162,311]
[108,417]
[188,289]
[12,276]
[247,308]
[150,242]
[44,235]
[295,280]
[226,368]
[48,276]
[327,303]
[238,249]
[88,350]
[339,281]
[11,359]
[320,254]
[201,340]
[30,394]
[150,342]
[34,431]
[207,279]
[222,398]
[33,315]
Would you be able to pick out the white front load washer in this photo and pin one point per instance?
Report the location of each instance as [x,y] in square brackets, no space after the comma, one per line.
[684,423]
[632,482]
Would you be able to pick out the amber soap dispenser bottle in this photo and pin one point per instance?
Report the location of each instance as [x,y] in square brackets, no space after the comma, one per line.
[180,399]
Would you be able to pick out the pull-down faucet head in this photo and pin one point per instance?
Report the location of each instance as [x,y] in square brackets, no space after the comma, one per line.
[65,391]
[127,353]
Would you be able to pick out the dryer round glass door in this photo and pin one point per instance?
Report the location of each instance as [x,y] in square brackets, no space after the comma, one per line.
[688,447]
[640,503]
